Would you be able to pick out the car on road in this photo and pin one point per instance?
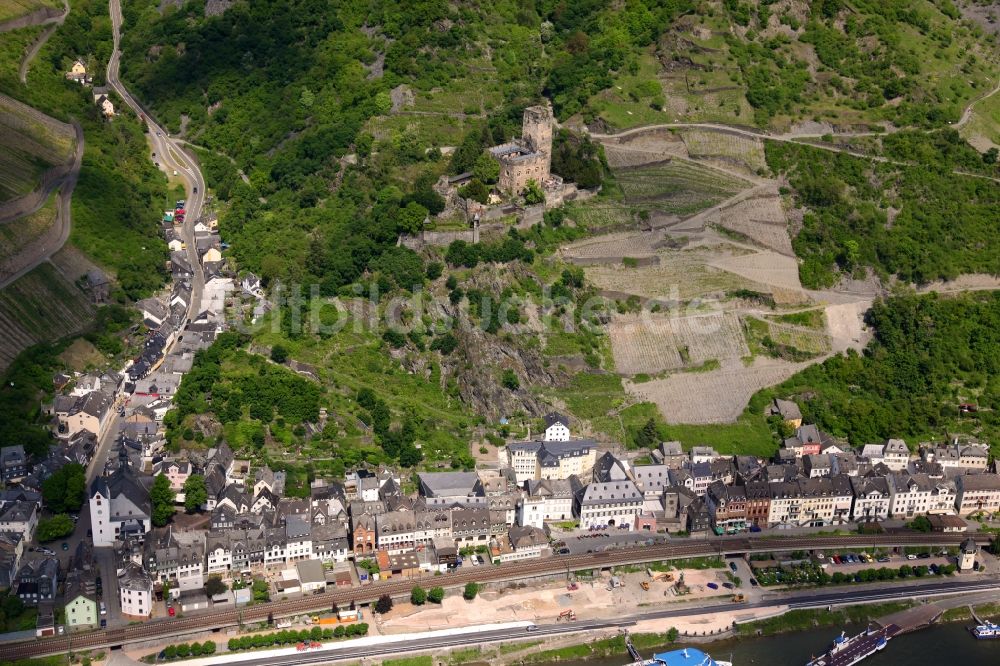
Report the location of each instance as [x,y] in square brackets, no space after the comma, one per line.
[195,189]
[753,582]
[47,551]
[65,546]
[90,533]
[531,627]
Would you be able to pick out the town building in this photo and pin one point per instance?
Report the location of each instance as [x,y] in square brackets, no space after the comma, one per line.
[135,591]
[611,504]
[119,506]
[977,493]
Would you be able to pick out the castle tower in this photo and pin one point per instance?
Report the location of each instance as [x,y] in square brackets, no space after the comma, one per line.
[536,129]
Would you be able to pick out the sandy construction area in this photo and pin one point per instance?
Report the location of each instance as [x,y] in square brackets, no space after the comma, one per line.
[719,396]
[846,327]
[544,603]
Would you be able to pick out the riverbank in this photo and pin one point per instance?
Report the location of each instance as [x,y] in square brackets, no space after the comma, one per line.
[809,629]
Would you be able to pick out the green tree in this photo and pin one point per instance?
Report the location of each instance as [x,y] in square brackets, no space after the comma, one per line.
[384,604]
[195,493]
[383,103]
[214,585]
[410,218]
[279,354]
[470,591]
[672,635]
[161,496]
[920,524]
[435,595]
[418,596]
[648,436]
[56,527]
[486,169]
[65,490]
[533,194]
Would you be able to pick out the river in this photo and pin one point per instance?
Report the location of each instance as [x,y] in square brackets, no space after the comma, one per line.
[942,644]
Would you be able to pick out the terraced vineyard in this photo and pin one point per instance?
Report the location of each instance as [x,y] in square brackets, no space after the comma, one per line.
[719,396]
[30,144]
[729,148]
[597,214]
[644,148]
[10,9]
[761,220]
[17,234]
[676,187]
[652,344]
[613,246]
[40,306]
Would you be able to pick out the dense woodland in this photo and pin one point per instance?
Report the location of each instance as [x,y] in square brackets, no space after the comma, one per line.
[943,224]
[930,354]
[294,93]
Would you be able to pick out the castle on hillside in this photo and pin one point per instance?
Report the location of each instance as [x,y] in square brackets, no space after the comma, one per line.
[530,156]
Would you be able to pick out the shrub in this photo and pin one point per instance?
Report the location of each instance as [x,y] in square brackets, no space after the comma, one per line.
[436,595]
[418,597]
[470,591]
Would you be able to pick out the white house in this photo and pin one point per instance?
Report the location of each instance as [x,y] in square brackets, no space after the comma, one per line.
[613,504]
[119,505]
[135,591]
[531,511]
[871,499]
[556,428]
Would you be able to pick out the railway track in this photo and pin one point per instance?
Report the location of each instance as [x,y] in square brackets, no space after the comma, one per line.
[505,572]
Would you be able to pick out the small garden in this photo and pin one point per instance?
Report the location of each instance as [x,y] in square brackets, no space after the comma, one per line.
[811,573]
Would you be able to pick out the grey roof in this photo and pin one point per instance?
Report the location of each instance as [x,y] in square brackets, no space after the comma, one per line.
[135,578]
[550,453]
[612,492]
[553,418]
[652,477]
[311,571]
[450,484]
[969,482]
[554,488]
[787,409]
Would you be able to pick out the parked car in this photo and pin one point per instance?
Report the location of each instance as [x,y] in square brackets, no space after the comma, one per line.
[911,556]
[171,612]
[836,559]
[732,565]
[713,586]
[924,556]
[753,582]
[65,546]
[884,558]
[104,608]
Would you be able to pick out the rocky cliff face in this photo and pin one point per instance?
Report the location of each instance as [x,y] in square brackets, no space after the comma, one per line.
[478,366]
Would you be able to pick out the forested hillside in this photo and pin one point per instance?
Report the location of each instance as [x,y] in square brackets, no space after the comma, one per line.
[915,219]
[775,63]
[930,355]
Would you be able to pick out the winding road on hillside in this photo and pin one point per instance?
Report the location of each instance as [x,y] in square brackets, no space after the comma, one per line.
[169,154]
[51,241]
[22,71]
